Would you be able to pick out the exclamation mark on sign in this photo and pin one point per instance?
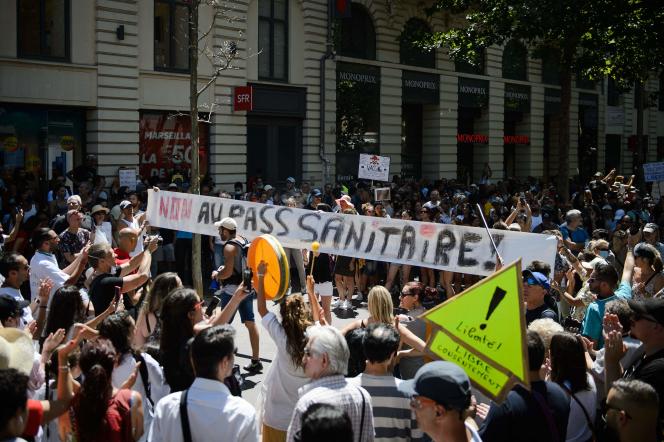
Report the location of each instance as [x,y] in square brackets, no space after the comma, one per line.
[498,295]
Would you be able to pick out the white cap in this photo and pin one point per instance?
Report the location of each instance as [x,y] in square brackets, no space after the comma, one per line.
[227,223]
[267,187]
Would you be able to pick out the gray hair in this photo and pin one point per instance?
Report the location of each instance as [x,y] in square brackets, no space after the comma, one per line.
[572,215]
[326,339]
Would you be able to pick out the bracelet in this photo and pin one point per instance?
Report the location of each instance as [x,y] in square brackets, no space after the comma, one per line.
[64,367]
[260,275]
[43,306]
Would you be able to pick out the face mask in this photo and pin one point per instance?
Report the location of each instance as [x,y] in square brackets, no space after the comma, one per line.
[604,253]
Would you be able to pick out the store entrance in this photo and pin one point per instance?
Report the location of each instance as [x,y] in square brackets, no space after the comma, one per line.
[272,146]
[411,140]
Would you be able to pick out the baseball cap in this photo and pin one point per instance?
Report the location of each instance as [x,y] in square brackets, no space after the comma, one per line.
[442,381]
[290,179]
[541,280]
[650,228]
[10,307]
[227,223]
[649,308]
[125,204]
[316,192]
[267,187]
[173,186]
[607,207]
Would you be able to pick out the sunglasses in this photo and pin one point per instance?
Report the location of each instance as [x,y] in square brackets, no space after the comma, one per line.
[198,305]
[404,294]
[530,281]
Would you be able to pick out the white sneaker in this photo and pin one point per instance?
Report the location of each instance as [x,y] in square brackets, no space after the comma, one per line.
[346,305]
[335,303]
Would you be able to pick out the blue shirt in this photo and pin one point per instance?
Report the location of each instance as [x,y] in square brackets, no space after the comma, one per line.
[184,235]
[579,235]
[592,322]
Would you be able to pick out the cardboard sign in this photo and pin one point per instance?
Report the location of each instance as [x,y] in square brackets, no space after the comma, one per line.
[483,330]
[653,172]
[374,167]
[382,194]
[441,246]
[127,178]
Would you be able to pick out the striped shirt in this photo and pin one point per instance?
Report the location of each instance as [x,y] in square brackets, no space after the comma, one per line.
[393,418]
[336,390]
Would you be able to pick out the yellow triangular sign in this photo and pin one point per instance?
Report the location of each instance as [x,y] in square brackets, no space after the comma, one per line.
[483,330]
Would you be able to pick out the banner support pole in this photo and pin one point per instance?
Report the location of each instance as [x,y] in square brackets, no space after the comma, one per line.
[500,258]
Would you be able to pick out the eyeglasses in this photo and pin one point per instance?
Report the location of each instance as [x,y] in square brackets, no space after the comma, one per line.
[418,402]
[606,407]
[403,294]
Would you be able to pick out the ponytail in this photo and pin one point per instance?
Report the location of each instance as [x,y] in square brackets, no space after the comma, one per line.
[97,359]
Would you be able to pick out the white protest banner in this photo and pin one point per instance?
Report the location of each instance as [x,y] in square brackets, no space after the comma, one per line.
[374,167]
[653,171]
[441,246]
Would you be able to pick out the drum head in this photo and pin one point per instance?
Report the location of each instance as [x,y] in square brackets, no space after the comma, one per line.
[277,276]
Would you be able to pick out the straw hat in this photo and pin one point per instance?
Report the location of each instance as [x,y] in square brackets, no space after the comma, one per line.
[16,350]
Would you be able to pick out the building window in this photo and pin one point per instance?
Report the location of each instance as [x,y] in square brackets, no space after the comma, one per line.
[474,66]
[515,61]
[355,36]
[171,35]
[550,68]
[43,29]
[613,93]
[584,82]
[273,39]
[410,50]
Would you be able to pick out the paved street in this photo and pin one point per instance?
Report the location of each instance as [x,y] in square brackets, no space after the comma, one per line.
[267,347]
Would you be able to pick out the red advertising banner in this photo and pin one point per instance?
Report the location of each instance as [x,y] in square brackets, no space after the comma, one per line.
[243,98]
[165,145]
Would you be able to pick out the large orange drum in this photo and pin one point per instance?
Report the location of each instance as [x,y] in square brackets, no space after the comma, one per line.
[277,276]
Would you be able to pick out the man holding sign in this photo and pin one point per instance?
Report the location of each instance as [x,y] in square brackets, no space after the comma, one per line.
[230,275]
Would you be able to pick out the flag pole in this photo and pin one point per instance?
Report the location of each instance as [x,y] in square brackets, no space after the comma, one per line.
[500,258]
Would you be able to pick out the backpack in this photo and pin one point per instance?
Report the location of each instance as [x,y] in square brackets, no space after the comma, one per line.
[242,244]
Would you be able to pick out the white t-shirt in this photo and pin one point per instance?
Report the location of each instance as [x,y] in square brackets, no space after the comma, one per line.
[283,379]
[535,221]
[104,233]
[577,424]
[26,317]
[42,266]
[158,386]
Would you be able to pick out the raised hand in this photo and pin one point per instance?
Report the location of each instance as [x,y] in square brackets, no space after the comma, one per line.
[53,340]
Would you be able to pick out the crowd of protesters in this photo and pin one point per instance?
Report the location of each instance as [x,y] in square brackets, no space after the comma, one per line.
[102,337]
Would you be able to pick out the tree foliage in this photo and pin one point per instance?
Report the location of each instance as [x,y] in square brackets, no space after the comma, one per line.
[621,39]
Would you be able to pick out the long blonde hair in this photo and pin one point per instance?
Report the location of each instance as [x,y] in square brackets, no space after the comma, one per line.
[380,305]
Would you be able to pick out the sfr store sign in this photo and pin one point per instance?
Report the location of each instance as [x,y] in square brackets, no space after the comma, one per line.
[243,98]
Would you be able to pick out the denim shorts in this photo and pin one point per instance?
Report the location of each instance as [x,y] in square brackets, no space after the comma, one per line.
[246,307]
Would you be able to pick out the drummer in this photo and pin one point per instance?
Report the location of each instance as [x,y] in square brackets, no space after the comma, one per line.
[230,276]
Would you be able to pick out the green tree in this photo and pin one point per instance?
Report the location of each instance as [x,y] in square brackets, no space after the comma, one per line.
[221,56]
[634,51]
[569,31]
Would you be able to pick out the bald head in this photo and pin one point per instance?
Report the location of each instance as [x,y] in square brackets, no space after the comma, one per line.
[127,239]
